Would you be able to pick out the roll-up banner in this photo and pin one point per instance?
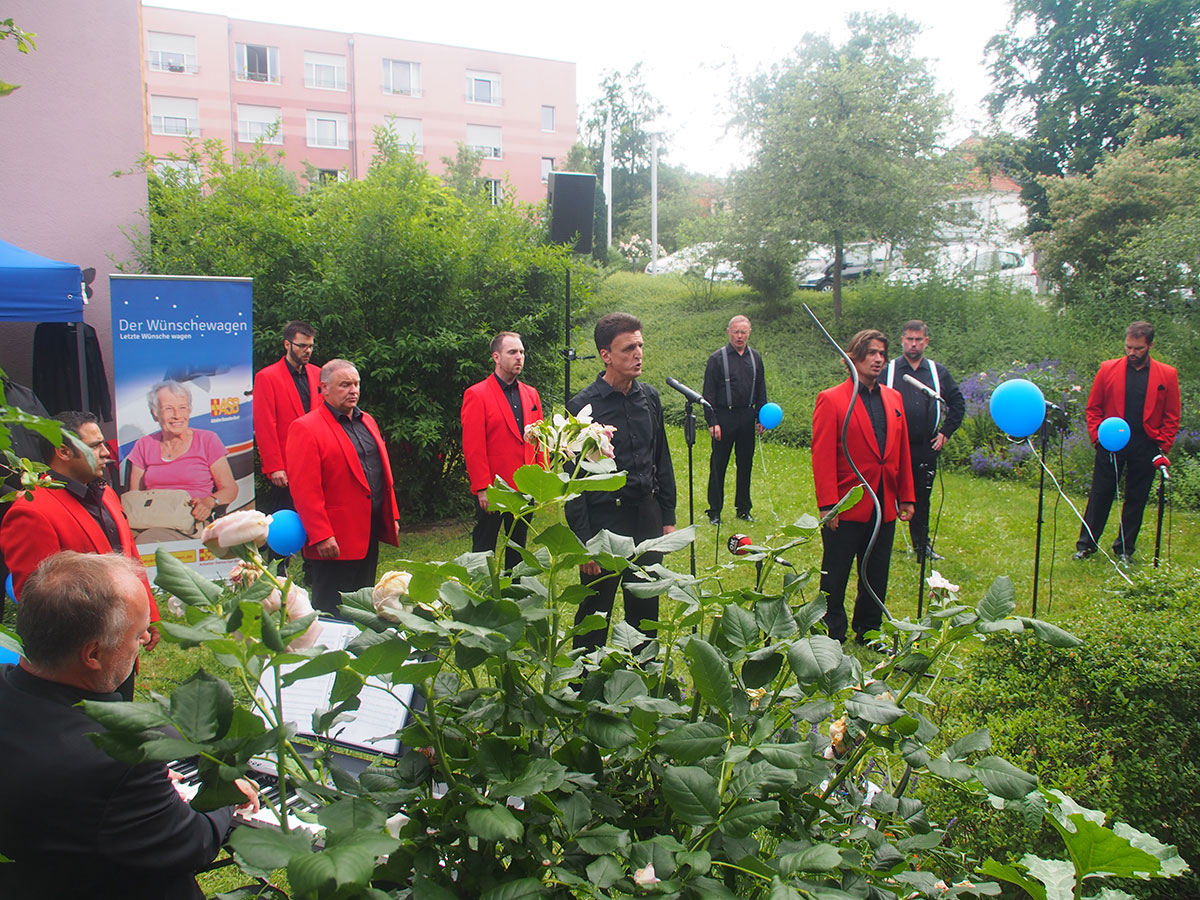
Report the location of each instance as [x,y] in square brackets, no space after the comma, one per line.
[183,366]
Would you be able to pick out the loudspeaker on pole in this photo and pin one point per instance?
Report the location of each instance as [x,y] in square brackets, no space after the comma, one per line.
[572,208]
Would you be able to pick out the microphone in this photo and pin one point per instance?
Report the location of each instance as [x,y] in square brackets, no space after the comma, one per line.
[923,388]
[688,392]
[1054,406]
[738,543]
[1161,463]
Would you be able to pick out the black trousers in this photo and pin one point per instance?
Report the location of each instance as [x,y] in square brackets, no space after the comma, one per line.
[924,469]
[737,438]
[1134,462]
[641,521]
[329,578]
[487,532]
[842,547]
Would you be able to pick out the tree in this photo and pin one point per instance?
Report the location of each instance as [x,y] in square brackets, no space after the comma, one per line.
[25,43]
[847,144]
[1070,73]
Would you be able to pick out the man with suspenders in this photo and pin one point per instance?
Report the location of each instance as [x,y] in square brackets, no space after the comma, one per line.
[736,390]
[928,427]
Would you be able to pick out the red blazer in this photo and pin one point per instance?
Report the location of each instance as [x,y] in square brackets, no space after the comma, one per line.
[832,473]
[54,520]
[492,443]
[1160,416]
[276,406]
[329,486]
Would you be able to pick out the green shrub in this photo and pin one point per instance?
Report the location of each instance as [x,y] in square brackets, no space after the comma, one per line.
[1115,722]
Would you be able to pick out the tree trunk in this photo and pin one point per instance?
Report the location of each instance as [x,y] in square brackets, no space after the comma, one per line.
[837,277]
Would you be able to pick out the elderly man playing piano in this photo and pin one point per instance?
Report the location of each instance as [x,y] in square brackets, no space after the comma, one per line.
[76,822]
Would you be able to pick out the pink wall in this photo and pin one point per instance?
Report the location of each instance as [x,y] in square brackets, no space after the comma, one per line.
[77,118]
[527,84]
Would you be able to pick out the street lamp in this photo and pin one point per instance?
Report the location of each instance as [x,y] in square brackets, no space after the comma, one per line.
[654,129]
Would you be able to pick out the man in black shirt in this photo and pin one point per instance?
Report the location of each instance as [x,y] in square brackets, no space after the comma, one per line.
[736,390]
[645,507]
[928,427]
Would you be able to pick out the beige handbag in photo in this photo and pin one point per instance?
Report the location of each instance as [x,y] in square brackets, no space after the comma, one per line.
[159,509]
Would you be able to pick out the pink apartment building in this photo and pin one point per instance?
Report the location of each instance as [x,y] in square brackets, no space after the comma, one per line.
[319,95]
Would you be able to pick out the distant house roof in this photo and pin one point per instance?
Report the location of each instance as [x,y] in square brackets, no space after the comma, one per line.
[979,180]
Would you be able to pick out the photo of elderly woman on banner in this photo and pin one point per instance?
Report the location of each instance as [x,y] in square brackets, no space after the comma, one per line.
[183,368]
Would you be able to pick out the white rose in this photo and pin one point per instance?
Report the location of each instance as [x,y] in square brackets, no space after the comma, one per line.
[386,596]
[645,876]
[245,526]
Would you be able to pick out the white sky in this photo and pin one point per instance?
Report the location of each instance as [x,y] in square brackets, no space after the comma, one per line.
[690,51]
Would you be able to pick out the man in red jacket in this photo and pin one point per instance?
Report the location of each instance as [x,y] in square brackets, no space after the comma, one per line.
[877,442]
[84,515]
[283,392]
[341,481]
[495,412]
[1145,393]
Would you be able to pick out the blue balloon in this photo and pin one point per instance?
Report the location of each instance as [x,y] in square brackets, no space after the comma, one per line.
[8,588]
[770,415]
[7,656]
[286,534]
[1113,433]
[1018,407]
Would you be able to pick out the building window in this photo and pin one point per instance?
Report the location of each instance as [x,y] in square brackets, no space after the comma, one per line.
[495,190]
[177,170]
[548,118]
[171,52]
[483,87]
[328,129]
[263,123]
[409,133]
[326,71]
[547,168]
[401,77]
[331,176]
[485,139]
[174,116]
[257,62]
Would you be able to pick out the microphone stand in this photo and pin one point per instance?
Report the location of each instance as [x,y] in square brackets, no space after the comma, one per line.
[1037,546]
[689,435]
[928,543]
[1162,493]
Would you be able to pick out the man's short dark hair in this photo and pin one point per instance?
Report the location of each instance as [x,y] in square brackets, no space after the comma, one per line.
[72,598]
[1142,330]
[499,339]
[70,420]
[612,324]
[859,344]
[915,325]
[295,327]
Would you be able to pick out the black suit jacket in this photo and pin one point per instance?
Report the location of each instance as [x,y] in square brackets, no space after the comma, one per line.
[78,823]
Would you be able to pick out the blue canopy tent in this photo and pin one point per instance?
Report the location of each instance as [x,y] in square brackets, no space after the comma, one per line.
[37,289]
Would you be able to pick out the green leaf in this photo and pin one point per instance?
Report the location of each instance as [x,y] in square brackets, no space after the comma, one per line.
[780,890]
[872,708]
[710,674]
[1013,876]
[270,633]
[746,817]
[738,627]
[1002,778]
[122,716]
[1057,875]
[693,741]
[334,868]
[667,543]
[494,823]
[179,580]
[810,614]
[998,601]
[266,849]
[761,667]
[604,872]
[349,814]
[945,768]
[603,838]
[520,889]
[202,707]
[775,618]
[623,686]
[816,858]
[971,743]
[1170,862]
[608,731]
[317,666]
[559,540]
[1051,634]
[692,794]
[1097,850]
[539,484]
[539,776]
[814,656]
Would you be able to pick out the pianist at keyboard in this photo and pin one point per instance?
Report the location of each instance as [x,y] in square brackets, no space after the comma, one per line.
[76,822]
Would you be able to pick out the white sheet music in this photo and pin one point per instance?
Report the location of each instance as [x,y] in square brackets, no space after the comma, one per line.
[379,712]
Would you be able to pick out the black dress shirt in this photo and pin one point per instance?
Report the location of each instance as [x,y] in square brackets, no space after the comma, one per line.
[872,401]
[747,386]
[921,410]
[640,445]
[1137,383]
[368,454]
[90,498]
[512,393]
[300,379]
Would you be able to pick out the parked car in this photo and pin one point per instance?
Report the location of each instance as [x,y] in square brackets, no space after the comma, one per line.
[976,262]
[822,279]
